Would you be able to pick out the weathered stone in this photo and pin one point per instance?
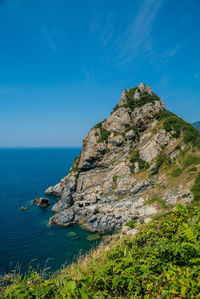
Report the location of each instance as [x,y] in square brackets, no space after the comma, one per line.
[42,202]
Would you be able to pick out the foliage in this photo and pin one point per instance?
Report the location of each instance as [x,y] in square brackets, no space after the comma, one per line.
[144,99]
[176,125]
[191,160]
[135,157]
[193,169]
[131,223]
[159,162]
[115,178]
[176,172]
[158,200]
[103,134]
[196,188]
[162,261]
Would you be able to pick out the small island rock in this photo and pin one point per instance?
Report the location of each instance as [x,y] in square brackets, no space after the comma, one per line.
[42,202]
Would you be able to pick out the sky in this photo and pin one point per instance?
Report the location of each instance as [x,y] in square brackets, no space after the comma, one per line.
[64,64]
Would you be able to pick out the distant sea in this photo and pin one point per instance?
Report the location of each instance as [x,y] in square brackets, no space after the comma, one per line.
[26,238]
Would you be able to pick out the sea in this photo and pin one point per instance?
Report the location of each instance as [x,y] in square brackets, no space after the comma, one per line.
[27,241]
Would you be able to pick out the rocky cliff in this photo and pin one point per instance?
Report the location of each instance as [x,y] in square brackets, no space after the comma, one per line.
[139,161]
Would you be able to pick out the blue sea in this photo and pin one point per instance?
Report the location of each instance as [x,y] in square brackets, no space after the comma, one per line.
[26,239]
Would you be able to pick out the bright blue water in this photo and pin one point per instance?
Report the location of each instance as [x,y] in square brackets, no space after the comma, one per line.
[26,235]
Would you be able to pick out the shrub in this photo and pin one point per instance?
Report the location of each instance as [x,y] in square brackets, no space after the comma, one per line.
[159,162]
[115,178]
[192,169]
[131,223]
[174,123]
[191,160]
[135,157]
[144,99]
[103,134]
[176,172]
[196,188]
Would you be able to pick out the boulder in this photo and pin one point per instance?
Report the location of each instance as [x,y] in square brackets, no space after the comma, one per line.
[42,202]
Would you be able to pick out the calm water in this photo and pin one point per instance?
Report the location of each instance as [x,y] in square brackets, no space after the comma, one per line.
[26,235]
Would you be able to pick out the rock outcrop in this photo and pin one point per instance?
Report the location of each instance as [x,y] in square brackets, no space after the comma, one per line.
[116,175]
[42,202]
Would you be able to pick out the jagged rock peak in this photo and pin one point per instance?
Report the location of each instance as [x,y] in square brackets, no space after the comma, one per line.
[135,92]
[145,88]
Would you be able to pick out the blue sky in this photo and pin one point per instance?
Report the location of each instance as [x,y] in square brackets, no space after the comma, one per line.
[63,64]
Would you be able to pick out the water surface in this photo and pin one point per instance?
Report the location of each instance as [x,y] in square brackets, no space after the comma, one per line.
[25,236]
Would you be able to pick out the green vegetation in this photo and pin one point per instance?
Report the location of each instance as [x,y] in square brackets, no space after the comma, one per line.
[144,99]
[158,200]
[176,125]
[176,172]
[135,157]
[196,188]
[159,162]
[161,261]
[131,223]
[186,162]
[191,160]
[103,134]
[115,178]
[193,169]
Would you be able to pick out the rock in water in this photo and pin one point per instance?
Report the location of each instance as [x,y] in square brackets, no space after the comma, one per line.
[42,202]
[23,208]
[117,176]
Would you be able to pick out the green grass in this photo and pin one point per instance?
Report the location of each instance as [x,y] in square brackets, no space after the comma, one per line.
[131,223]
[173,123]
[158,200]
[191,160]
[161,159]
[176,172]
[193,169]
[196,188]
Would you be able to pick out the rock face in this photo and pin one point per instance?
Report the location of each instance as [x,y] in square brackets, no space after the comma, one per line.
[106,186]
[42,202]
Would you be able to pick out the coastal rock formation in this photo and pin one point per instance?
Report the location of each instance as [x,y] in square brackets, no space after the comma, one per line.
[42,202]
[118,174]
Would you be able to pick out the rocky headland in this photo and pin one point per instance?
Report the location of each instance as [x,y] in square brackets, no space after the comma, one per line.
[133,165]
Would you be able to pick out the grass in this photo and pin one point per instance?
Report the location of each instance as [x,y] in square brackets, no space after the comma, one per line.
[191,160]
[196,188]
[131,223]
[177,126]
[158,200]
[177,172]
